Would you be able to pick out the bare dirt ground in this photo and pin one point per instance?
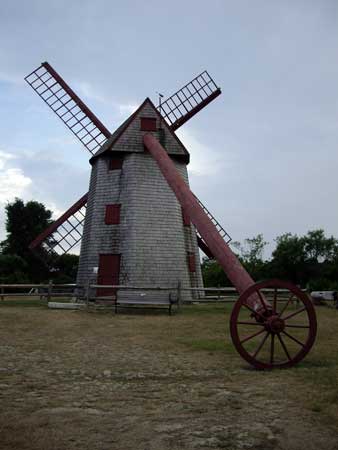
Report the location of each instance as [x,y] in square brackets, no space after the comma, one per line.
[79,380]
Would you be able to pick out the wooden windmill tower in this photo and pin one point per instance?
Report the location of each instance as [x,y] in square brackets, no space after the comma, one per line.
[131,227]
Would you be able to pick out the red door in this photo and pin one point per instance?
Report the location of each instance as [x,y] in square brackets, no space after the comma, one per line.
[108,273]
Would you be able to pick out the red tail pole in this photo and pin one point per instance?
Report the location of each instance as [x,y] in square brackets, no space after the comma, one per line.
[236,273]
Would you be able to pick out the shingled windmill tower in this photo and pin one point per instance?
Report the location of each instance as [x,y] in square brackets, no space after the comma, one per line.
[131,227]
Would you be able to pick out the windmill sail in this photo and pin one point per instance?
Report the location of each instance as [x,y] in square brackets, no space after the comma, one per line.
[224,234]
[65,233]
[54,91]
[190,99]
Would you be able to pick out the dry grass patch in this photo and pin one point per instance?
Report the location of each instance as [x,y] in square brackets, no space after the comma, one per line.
[72,379]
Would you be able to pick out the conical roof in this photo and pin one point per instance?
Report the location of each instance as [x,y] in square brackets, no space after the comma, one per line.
[128,137]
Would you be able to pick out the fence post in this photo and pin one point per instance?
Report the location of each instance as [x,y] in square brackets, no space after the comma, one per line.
[179,294]
[87,293]
[2,293]
[50,287]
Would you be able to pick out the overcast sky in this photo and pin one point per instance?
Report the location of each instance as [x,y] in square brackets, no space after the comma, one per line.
[264,155]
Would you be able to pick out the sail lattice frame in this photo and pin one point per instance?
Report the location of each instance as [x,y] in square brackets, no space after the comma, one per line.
[65,233]
[56,93]
[68,235]
[190,99]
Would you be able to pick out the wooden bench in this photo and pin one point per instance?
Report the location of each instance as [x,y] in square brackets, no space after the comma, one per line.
[139,300]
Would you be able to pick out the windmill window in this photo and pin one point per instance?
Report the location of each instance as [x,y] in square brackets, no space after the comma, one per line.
[115,163]
[191,262]
[112,216]
[148,124]
[186,218]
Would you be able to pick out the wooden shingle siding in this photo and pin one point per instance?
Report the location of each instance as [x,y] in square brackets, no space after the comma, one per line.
[150,236]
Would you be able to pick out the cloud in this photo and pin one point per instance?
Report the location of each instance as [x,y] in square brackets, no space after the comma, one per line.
[206,160]
[42,176]
[11,78]
[127,109]
[4,157]
[87,90]
[13,183]
[57,212]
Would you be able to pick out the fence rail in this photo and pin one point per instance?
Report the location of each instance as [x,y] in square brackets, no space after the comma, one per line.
[88,293]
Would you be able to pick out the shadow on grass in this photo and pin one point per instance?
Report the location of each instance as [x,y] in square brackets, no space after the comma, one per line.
[23,303]
[203,309]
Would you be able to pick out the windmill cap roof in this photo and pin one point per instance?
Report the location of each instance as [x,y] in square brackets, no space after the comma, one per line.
[181,152]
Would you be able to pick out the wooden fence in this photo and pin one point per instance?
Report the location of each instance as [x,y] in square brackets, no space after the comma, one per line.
[87,293]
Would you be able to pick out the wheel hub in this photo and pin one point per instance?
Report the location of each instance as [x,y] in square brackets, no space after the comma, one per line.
[275,324]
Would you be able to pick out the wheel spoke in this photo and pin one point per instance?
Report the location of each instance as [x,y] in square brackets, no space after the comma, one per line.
[272,348]
[251,323]
[293,338]
[297,326]
[284,347]
[294,313]
[253,311]
[275,301]
[252,336]
[262,299]
[286,305]
[259,348]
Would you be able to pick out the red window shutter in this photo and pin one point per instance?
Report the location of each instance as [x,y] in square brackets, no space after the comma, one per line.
[186,218]
[191,262]
[148,124]
[115,163]
[112,216]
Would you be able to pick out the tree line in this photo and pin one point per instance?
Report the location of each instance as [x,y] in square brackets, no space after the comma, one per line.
[18,264]
[310,261]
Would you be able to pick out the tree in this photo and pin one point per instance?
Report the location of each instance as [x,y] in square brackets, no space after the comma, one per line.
[310,260]
[13,269]
[251,256]
[319,248]
[65,267]
[23,223]
[321,260]
[213,274]
[288,259]
[252,250]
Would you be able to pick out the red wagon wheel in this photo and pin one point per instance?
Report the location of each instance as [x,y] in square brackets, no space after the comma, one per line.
[279,330]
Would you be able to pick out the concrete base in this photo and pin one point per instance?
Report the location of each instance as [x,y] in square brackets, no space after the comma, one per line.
[59,305]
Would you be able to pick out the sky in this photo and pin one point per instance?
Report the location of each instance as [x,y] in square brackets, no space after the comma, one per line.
[264,154]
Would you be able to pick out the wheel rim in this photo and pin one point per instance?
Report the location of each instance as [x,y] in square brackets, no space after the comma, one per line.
[275,336]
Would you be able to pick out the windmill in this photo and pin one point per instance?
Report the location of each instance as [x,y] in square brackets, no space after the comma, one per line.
[109,221]
[134,223]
